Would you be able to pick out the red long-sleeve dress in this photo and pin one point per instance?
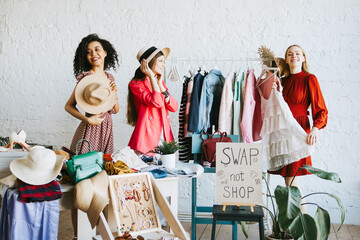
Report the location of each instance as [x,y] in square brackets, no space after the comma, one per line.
[300,91]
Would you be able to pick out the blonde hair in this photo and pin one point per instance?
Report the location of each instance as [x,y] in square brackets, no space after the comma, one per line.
[304,66]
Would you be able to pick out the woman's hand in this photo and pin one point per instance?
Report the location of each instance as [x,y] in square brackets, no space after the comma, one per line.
[113,86]
[95,119]
[145,69]
[313,135]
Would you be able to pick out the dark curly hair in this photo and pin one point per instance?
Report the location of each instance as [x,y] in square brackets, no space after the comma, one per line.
[81,64]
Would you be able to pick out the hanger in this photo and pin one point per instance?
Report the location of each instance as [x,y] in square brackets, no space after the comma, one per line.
[266,69]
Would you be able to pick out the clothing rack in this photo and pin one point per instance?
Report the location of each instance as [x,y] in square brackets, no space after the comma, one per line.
[175,59]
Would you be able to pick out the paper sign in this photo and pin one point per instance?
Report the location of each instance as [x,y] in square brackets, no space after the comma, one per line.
[239,173]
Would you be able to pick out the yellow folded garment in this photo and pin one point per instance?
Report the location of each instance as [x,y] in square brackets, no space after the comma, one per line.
[117,168]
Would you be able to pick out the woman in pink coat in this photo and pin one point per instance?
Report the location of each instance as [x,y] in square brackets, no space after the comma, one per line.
[149,102]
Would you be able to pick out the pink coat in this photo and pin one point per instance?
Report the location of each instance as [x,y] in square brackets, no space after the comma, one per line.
[153,116]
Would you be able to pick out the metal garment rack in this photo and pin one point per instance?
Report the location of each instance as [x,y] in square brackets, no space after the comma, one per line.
[196,149]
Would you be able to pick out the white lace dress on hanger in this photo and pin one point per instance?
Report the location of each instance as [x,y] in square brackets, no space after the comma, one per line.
[283,139]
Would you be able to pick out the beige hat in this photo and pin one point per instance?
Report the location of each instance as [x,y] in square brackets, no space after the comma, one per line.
[94,95]
[149,52]
[91,196]
[39,167]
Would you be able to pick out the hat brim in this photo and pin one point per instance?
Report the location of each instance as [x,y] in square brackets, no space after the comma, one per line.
[79,97]
[91,196]
[165,51]
[34,176]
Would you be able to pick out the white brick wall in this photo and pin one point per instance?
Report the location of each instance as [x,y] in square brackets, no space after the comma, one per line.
[38,40]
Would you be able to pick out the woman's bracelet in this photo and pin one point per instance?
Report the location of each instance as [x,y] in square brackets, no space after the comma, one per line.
[166,93]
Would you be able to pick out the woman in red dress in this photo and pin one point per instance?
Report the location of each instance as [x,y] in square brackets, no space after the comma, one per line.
[301,91]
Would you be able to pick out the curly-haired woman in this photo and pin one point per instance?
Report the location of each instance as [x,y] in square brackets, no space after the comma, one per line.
[92,57]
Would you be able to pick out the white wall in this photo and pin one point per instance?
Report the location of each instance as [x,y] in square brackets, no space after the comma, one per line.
[38,40]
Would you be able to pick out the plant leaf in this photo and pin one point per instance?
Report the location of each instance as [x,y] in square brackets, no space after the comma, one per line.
[322,219]
[288,201]
[304,225]
[244,229]
[341,209]
[296,229]
[323,174]
[263,175]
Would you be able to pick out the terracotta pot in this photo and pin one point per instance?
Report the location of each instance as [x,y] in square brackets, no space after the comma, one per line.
[269,237]
[168,160]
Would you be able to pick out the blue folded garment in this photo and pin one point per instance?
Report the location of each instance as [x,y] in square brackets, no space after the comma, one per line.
[147,158]
[157,173]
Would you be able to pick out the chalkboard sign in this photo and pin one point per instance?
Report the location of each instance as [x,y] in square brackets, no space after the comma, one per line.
[239,173]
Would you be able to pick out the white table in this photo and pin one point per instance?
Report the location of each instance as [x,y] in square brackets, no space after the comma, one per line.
[168,187]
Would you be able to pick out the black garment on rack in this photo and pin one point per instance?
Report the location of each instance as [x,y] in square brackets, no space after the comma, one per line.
[184,142]
[194,104]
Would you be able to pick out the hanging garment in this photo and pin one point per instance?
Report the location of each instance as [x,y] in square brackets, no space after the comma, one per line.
[246,124]
[36,220]
[283,139]
[226,111]
[101,136]
[184,142]
[237,104]
[300,91]
[194,106]
[182,108]
[188,102]
[210,100]
[153,121]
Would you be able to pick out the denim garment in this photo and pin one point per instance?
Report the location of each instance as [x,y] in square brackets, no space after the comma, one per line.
[210,99]
[35,221]
[194,105]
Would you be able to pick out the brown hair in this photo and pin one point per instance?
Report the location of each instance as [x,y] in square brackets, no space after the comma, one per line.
[131,113]
[304,66]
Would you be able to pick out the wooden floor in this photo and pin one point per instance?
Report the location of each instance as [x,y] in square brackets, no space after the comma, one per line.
[223,232]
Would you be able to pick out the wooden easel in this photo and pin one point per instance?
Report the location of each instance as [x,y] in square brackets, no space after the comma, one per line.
[251,205]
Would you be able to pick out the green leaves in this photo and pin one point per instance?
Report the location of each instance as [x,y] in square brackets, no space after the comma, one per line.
[341,209]
[244,229]
[303,225]
[323,174]
[322,219]
[288,201]
[166,148]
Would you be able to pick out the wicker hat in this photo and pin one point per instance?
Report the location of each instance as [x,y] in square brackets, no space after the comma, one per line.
[91,196]
[39,167]
[148,52]
[94,95]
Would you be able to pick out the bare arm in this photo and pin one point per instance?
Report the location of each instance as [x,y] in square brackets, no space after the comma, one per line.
[70,107]
[114,88]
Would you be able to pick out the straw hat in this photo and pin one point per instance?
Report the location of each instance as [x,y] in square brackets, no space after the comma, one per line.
[91,196]
[94,95]
[148,52]
[39,167]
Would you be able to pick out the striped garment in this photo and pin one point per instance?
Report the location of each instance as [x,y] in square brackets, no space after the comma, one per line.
[31,193]
[184,142]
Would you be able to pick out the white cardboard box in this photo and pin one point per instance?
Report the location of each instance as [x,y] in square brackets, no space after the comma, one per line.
[6,158]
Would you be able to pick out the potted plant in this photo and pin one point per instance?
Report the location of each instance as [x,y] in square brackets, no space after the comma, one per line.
[167,151]
[289,219]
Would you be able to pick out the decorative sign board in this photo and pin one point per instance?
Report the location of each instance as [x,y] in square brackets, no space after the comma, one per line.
[134,204]
[239,173]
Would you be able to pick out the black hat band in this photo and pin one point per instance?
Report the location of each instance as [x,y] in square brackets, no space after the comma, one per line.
[147,53]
